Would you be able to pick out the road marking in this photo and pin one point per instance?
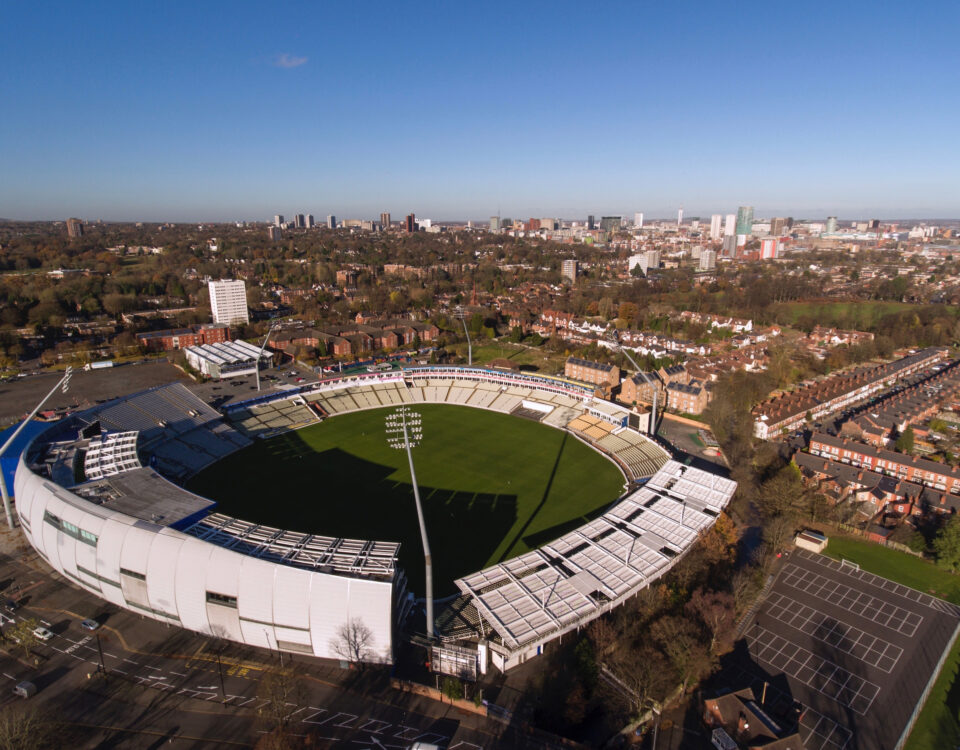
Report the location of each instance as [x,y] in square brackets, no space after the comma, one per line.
[155,669]
[178,674]
[9,677]
[130,661]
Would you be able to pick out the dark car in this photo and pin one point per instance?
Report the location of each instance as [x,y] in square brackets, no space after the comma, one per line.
[10,605]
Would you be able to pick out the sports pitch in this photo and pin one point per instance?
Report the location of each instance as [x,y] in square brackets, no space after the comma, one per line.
[493,486]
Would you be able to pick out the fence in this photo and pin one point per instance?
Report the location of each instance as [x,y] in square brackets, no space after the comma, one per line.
[848,529]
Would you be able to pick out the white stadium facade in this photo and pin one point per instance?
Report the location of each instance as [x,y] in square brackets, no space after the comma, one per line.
[98,495]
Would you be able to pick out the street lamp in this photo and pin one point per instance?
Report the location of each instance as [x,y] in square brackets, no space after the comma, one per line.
[260,355]
[461,314]
[64,382]
[404,428]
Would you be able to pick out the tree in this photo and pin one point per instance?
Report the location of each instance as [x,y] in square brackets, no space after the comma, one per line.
[26,729]
[353,641]
[715,610]
[22,634]
[280,692]
[946,544]
[904,443]
[680,641]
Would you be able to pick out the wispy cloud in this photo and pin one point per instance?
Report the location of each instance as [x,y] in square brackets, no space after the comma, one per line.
[288,61]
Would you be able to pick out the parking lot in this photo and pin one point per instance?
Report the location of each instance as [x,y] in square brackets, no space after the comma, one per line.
[856,650]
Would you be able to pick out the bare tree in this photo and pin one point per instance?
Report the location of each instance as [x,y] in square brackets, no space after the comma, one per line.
[716,610]
[281,692]
[353,641]
[22,634]
[26,729]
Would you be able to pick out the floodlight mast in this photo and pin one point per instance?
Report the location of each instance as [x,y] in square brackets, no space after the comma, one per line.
[398,436]
[260,355]
[63,382]
[462,315]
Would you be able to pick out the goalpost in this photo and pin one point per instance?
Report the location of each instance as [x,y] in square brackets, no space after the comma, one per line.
[845,562]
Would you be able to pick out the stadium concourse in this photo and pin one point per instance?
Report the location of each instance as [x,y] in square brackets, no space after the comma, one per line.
[99,497]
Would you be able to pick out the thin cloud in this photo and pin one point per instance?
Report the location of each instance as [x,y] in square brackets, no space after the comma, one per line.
[288,61]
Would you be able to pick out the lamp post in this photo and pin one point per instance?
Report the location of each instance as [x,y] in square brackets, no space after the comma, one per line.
[64,382]
[404,428]
[260,355]
[461,314]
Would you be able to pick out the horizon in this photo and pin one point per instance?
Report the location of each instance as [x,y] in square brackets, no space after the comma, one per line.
[141,112]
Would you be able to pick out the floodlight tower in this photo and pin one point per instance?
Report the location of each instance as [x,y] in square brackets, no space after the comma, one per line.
[64,382]
[462,315]
[265,340]
[404,428]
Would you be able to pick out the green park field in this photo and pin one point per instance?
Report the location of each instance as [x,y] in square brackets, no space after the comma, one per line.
[493,486]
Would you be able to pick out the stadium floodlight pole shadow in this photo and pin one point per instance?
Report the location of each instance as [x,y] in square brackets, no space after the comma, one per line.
[260,355]
[64,382]
[462,315]
[404,428]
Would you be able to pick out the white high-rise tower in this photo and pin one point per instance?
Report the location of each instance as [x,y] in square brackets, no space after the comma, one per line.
[228,302]
[715,226]
[680,216]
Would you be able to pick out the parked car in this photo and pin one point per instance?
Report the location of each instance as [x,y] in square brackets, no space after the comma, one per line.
[10,605]
[25,689]
[44,634]
[89,624]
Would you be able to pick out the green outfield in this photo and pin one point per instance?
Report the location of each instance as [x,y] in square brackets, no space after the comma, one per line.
[492,486]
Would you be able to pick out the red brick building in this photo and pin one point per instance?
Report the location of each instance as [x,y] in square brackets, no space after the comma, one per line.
[180,338]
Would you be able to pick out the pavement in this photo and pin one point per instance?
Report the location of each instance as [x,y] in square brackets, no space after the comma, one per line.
[160,685]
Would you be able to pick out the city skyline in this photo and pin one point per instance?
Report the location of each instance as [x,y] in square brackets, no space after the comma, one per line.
[144,114]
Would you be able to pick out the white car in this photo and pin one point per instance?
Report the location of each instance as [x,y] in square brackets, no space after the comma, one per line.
[43,633]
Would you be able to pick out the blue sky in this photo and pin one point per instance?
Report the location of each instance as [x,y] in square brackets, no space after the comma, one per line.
[229,110]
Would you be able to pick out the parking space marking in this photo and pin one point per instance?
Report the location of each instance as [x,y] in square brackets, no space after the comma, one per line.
[858,602]
[858,643]
[821,674]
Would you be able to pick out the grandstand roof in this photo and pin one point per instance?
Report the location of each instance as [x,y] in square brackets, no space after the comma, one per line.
[574,579]
[144,494]
[325,553]
[111,453]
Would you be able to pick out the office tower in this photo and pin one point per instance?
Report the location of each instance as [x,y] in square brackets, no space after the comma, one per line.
[873,225]
[494,223]
[831,224]
[729,245]
[331,222]
[638,220]
[74,228]
[610,224]
[228,302]
[781,225]
[680,216]
[708,260]
[278,220]
[533,225]
[730,225]
[745,220]
[548,224]
[385,219]
[299,222]
[591,222]
[650,259]
[568,269]
[310,223]
[411,223]
[770,248]
[715,221]
[274,233]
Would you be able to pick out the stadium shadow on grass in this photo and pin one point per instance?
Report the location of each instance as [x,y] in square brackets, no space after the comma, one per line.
[333,493]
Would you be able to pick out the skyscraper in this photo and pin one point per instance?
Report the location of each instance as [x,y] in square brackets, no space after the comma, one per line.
[730,225]
[277,220]
[274,233]
[228,302]
[708,260]
[494,223]
[638,220]
[74,228]
[780,225]
[610,224]
[680,216]
[831,224]
[385,219]
[299,222]
[715,226]
[331,221]
[591,222]
[569,268]
[745,220]
[411,223]
[309,221]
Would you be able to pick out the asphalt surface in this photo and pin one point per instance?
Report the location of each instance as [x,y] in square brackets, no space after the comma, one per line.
[856,650]
[164,686]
